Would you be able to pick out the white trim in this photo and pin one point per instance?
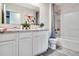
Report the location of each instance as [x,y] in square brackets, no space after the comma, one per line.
[70,44]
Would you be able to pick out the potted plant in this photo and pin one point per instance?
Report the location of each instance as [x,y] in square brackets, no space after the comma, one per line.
[25,25]
[41,25]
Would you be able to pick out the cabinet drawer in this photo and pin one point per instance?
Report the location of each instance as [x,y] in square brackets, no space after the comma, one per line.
[8,36]
[25,35]
[40,33]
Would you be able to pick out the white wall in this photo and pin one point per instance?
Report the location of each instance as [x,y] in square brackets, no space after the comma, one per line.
[70,27]
[19,9]
[44,14]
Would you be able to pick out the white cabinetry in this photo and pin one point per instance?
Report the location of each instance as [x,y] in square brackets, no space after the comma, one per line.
[40,42]
[8,44]
[35,46]
[25,44]
[44,41]
[7,48]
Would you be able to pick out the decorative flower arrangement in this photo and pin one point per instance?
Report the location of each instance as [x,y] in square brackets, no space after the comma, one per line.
[30,19]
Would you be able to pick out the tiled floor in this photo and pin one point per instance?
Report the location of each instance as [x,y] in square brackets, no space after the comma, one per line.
[60,52]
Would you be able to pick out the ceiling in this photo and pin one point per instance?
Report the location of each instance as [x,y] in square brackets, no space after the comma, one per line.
[67,5]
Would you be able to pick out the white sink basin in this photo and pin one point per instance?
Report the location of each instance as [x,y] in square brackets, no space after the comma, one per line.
[3,29]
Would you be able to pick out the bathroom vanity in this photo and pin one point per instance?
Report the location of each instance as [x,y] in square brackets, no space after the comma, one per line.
[23,42]
[16,41]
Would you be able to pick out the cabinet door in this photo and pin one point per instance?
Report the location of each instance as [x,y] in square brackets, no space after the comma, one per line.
[36,43]
[35,46]
[25,47]
[44,42]
[39,44]
[7,48]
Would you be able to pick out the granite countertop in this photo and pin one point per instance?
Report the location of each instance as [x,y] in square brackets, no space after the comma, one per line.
[22,30]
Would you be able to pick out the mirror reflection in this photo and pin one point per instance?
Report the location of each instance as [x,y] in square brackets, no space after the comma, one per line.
[19,13]
[13,17]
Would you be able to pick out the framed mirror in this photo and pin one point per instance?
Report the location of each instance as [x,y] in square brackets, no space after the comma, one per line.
[18,13]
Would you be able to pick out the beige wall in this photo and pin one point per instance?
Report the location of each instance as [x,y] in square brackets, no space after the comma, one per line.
[57,19]
[57,16]
[69,8]
[70,26]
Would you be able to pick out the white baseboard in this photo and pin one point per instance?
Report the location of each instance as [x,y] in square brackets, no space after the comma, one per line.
[70,44]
